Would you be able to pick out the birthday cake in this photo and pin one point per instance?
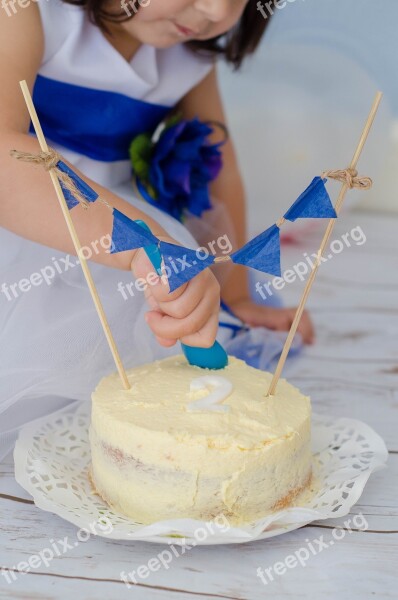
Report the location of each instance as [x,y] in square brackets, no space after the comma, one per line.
[185,442]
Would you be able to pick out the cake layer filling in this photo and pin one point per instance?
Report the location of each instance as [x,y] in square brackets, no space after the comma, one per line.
[146,493]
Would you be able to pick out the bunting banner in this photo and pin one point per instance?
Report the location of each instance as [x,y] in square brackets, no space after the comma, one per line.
[152,251]
[89,194]
[263,253]
[182,264]
[313,203]
[128,235]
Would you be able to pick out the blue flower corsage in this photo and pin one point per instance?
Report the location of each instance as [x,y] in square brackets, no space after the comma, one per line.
[174,166]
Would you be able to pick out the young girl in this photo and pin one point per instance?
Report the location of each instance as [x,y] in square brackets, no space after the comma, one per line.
[102,74]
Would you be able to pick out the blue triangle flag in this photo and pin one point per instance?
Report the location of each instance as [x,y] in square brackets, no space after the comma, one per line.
[182,264]
[89,194]
[314,203]
[127,235]
[263,253]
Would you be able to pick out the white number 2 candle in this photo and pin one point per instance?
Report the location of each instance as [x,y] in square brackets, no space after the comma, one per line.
[219,389]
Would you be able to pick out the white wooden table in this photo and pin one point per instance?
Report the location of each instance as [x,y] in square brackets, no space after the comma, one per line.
[351,371]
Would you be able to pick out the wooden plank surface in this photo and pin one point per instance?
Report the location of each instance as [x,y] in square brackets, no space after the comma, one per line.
[352,371]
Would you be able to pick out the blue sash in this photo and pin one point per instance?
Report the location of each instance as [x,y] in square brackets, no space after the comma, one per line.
[95,123]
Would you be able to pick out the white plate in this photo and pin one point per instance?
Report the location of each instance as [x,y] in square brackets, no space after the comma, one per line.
[52,457]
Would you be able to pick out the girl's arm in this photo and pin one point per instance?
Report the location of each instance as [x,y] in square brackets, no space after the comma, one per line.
[29,207]
[205,102]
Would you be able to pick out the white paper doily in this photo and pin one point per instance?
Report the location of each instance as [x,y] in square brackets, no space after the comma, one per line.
[52,458]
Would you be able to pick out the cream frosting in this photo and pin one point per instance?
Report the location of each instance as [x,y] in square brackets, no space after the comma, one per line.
[153,458]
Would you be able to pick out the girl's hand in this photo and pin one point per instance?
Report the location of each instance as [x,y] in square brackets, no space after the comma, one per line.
[189,314]
[278,319]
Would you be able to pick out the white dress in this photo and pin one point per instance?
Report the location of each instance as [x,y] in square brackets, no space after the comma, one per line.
[52,344]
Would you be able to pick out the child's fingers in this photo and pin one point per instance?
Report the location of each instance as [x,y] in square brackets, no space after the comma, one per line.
[189,300]
[190,313]
[168,327]
[166,343]
[306,329]
[157,285]
[277,319]
[152,303]
[205,337]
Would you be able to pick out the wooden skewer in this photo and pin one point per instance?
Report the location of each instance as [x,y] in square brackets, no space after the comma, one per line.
[330,227]
[75,239]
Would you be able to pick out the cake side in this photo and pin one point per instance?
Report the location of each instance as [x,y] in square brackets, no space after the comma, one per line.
[152,459]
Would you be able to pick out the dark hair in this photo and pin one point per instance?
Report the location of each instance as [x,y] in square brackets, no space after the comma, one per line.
[235,45]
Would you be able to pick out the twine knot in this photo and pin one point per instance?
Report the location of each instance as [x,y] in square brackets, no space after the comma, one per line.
[280,222]
[350,178]
[221,259]
[49,161]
